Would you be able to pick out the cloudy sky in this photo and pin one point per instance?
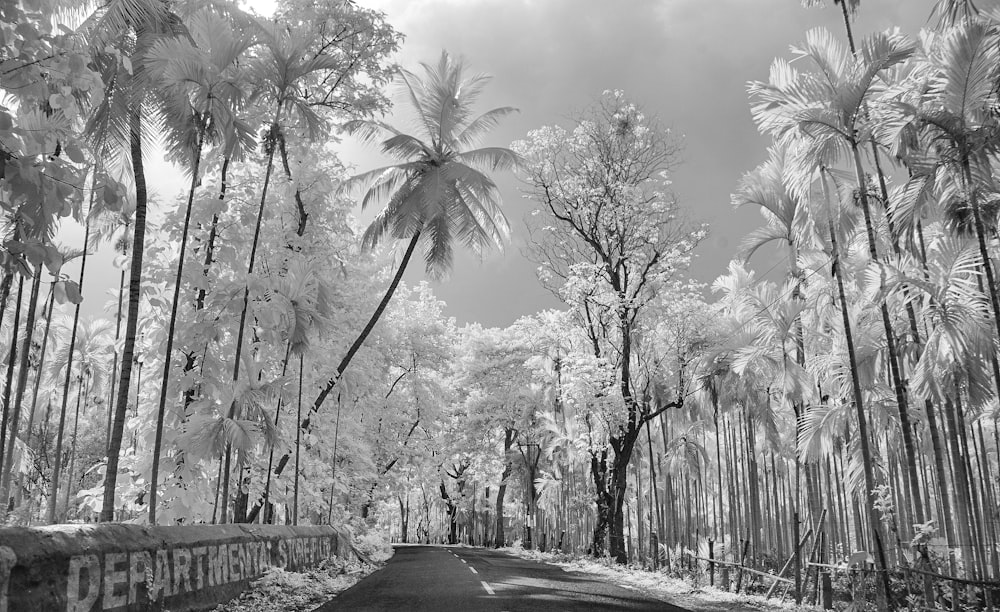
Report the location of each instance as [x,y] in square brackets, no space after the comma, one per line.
[686,61]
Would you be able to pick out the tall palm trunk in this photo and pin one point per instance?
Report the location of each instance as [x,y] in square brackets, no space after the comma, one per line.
[298,445]
[241,330]
[40,367]
[172,326]
[899,386]
[265,504]
[892,355]
[8,383]
[54,487]
[132,321]
[22,381]
[885,593]
[81,393]
[114,363]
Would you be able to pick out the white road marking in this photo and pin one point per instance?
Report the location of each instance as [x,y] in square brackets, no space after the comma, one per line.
[488,588]
[463,561]
[473,570]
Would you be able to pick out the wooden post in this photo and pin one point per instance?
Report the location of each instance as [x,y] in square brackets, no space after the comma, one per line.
[826,584]
[743,558]
[711,564]
[788,563]
[725,578]
[654,549]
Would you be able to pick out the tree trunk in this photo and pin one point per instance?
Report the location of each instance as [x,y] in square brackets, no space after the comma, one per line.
[8,383]
[885,592]
[241,330]
[171,330]
[22,381]
[346,361]
[508,442]
[40,367]
[132,322]
[298,446]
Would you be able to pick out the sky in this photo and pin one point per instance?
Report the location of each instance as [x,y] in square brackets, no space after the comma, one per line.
[685,61]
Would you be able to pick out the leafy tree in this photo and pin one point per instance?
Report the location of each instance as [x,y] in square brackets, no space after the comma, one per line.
[604,193]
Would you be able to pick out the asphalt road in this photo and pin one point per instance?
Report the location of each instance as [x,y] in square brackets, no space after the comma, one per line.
[446,578]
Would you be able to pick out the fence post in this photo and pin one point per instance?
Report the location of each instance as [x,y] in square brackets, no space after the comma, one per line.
[654,549]
[826,587]
[725,578]
[711,562]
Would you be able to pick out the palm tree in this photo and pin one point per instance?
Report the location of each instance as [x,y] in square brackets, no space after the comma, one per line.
[956,353]
[121,127]
[954,110]
[54,487]
[202,93]
[22,380]
[438,192]
[833,201]
[822,116]
[283,70]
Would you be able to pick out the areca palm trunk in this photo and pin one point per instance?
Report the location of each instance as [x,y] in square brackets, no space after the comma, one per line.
[22,381]
[171,327]
[275,128]
[268,518]
[50,301]
[890,341]
[885,593]
[905,426]
[298,446]
[132,320]
[8,382]
[81,394]
[114,363]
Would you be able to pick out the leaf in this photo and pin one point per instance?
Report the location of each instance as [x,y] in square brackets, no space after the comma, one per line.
[59,291]
[74,153]
[73,292]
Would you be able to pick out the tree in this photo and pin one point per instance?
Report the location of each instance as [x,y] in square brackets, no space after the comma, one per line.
[122,33]
[603,191]
[203,91]
[439,193]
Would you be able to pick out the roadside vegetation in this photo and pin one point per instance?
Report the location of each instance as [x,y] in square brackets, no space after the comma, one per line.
[828,425]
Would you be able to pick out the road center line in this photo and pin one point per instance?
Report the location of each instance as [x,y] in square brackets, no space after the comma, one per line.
[473,570]
[488,588]
[463,561]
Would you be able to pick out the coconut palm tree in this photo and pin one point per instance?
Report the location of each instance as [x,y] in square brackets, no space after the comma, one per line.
[122,127]
[439,192]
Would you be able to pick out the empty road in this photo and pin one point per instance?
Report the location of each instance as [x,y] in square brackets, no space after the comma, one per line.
[445,578]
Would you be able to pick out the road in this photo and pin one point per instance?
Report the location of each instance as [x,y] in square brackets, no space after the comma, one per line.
[446,578]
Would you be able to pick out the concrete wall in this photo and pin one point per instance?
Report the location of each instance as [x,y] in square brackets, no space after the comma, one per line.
[84,568]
